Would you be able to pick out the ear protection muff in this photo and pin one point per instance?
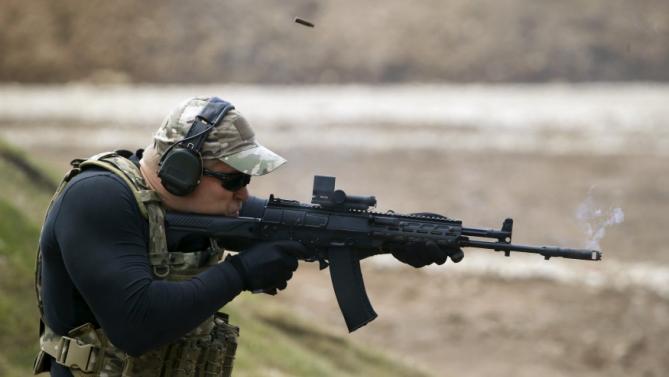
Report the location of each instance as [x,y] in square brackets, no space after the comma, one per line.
[181,165]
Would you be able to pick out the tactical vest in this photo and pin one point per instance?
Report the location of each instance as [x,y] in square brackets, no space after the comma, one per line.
[208,350]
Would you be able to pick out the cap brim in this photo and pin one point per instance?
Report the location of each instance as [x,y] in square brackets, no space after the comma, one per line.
[254,161]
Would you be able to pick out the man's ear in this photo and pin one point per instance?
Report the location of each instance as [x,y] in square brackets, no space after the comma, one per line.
[150,158]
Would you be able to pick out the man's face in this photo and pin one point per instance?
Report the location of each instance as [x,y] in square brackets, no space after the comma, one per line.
[210,197]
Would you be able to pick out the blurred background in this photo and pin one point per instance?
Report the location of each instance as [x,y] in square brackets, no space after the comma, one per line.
[553,113]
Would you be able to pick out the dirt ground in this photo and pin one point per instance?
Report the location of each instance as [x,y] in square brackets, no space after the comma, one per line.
[456,324]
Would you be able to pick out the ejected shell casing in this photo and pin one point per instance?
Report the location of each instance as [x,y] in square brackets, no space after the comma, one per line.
[303,22]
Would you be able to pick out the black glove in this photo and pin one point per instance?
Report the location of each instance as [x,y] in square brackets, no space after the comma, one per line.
[420,254]
[267,267]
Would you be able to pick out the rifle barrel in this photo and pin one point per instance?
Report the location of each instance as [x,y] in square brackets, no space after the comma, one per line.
[546,251]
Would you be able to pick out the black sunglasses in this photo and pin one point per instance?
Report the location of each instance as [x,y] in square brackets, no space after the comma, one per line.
[230,181]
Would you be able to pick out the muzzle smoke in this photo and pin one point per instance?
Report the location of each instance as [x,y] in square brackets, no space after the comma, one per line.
[595,219]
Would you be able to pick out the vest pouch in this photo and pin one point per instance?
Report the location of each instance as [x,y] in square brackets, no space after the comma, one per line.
[224,345]
[150,364]
[183,356]
[190,356]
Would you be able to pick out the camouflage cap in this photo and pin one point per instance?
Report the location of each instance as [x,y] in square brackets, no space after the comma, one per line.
[232,141]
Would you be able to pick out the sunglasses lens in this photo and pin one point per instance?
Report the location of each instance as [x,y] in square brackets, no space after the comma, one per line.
[230,181]
[236,182]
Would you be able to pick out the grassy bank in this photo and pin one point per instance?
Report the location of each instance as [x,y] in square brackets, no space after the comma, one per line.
[273,341]
[18,310]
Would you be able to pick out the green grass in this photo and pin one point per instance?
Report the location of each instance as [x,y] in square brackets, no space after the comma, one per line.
[18,308]
[28,187]
[22,205]
[273,341]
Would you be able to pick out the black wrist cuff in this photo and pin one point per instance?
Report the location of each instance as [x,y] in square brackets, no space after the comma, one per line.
[236,262]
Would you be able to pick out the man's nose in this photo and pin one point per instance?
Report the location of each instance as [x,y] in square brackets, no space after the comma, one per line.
[243,193]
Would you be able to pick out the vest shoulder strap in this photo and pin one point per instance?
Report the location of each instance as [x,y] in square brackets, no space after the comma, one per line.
[129,172]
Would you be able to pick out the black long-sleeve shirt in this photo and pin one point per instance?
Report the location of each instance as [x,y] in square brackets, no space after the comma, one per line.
[95,269]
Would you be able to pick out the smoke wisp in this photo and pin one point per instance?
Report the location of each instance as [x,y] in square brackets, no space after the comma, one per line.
[596,218]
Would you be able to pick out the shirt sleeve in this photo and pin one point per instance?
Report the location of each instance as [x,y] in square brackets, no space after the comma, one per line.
[105,250]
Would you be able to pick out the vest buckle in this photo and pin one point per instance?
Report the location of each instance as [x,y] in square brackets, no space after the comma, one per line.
[75,355]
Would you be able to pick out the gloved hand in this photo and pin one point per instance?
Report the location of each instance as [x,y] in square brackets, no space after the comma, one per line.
[267,267]
[421,254]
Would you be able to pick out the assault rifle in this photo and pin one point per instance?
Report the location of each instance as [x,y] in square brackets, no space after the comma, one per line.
[337,229]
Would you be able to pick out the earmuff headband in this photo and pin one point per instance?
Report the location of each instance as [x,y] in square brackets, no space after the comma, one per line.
[181,164]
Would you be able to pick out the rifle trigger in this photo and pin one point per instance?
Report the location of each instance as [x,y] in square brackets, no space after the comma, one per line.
[322,263]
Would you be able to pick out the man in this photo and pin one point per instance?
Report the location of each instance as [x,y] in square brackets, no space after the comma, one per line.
[113,300]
